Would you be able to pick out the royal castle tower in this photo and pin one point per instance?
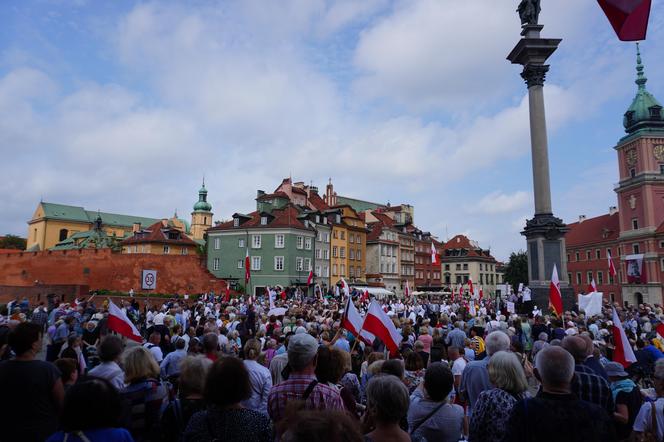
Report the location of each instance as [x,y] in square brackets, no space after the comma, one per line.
[640,194]
[201,217]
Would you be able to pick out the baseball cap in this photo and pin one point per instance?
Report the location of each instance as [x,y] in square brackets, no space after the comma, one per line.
[302,344]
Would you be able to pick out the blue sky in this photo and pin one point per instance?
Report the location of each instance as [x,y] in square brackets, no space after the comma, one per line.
[124,106]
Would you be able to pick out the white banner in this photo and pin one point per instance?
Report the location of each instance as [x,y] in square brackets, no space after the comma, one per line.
[149,280]
[510,307]
[591,304]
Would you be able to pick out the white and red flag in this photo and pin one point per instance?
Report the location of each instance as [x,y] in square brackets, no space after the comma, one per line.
[345,287]
[247,268]
[623,353]
[481,293]
[120,323]
[353,321]
[555,295]
[612,268]
[310,278]
[470,286]
[406,290]
[365,295]
[435,259]
[592,287]
[379,324]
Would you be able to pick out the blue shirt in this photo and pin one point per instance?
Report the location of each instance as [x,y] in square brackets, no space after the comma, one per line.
[171,364]
[97,435]
[343,344]
[654,352]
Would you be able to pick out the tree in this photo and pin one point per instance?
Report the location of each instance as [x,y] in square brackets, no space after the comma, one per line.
[13,242]
[516,269]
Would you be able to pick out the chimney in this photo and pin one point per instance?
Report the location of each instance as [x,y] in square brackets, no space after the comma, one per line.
[582,218]
[613,210]
[136,227]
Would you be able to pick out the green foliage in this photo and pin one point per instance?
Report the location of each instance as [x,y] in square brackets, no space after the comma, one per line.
[13,242]
[516,269]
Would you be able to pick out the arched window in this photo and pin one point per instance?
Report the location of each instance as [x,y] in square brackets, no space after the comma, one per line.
[63,234]
[205,220]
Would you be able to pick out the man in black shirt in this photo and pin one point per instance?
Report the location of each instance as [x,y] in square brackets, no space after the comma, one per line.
[556,414]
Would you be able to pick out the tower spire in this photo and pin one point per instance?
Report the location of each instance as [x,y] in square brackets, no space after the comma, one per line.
[641,79]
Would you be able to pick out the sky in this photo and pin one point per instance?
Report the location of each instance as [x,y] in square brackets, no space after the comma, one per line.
[125,106]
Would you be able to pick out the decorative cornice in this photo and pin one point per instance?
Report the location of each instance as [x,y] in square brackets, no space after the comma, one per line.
[546,225]
[534,74]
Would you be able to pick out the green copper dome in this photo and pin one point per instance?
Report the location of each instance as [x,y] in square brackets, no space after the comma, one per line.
[645,110]
[202,205]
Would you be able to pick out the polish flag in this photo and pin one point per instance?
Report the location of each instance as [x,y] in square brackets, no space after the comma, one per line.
[612,268]
[311,277]
[435,259]
[660,330]
[345,287]
[481,294]
[247,270]
[623,353]
[555,296]
[353,321]
[379,324]
[406,290]
[271,294]
[120,323]
[629,18]
[470,285]
[592,287]
[460,292]
[228,294]
[365,295]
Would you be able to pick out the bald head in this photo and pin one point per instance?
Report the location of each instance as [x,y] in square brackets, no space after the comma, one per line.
[555,367]
[577,347]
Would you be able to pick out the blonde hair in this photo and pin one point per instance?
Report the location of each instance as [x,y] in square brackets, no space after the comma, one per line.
[193,371]
[252,349]
[139,364]
[506,372]
[375,367]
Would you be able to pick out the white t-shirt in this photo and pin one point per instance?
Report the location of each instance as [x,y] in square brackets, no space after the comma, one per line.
[156,352]
[458,366]
[643,419]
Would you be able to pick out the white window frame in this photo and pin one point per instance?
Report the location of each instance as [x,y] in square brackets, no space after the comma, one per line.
[351,238]
[299,242]
[358,255]
[255,263]
[326,271]
[236,222]
[342,252]
[217,243]
[263,220]
[256,241]
[167,249]
[351,253]
[318,273]
[241,243]
[277,260]
[277,243]
[307,264]
[307,243]
[299,264]
[319,253]
[240,263]
[184,251]
[327,237]
[358,239]
[215,264]
[326,253]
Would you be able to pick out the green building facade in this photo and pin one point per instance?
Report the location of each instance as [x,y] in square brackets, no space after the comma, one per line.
[281,249]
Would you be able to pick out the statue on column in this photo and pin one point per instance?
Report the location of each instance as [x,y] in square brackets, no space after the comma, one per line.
[529,11]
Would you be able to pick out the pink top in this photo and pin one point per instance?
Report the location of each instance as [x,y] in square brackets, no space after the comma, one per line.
[426,340]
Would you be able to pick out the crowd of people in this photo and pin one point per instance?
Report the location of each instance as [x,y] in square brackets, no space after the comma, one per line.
[212,369]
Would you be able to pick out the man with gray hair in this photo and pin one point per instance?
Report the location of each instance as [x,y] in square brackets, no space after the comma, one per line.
[302,387]
[555,413]
[475,378]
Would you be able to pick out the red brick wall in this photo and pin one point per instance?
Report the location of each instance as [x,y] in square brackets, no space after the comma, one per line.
[103,269]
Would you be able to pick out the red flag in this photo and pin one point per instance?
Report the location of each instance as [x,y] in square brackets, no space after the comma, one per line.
[120,323]
[228,294]
[247,271]
[406,290]
[660,329]
[629,18]
[612,268]
[555,296]
[435,259]
[311,277]
[481,294]
[623,353]
[354,322]
[379,324]
[470,286]
[592,287]
[365,295]
[460,292]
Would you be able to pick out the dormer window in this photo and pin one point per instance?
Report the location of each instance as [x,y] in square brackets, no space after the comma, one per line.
[655,112]
[629,118]
[236,222]
[263,220]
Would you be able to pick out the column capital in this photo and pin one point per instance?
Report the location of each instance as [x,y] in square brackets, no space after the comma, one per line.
[534,74]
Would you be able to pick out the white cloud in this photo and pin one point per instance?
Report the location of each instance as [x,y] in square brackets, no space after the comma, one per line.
[499,202]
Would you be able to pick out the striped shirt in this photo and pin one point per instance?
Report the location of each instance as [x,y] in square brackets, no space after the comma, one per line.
[592,388]
[323,397]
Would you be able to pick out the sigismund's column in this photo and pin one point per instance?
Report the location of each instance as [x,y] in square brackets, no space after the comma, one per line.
[545,233]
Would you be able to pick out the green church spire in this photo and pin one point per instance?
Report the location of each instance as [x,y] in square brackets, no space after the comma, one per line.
[645,111]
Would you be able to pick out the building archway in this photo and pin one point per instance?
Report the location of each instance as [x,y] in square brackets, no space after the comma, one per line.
[639,297]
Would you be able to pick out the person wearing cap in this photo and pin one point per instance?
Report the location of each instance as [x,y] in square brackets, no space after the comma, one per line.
[627,398]
[302,384]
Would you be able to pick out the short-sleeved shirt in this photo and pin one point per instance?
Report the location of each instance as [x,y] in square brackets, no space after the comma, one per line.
[643,421]
[28,404]
[322,397]
[458,366]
